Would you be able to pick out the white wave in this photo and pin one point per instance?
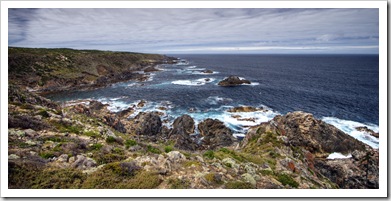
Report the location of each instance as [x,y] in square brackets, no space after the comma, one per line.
[252,84]
[196,69]
[150,78]
[197,82]
[114,104]
[214,100]
[349,127]
[337,155]
[190,67]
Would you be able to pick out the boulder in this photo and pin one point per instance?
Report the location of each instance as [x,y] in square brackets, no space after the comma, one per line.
[233,81]
[82,162]
[115,123]
[183,126]
[149,124]
[215,134]
[150,69]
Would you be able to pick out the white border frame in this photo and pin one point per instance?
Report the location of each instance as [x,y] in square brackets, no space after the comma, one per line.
[381,192]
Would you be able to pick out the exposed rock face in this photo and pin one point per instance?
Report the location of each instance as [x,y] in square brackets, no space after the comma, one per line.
[361,171]
[115,123]
[367,130]
[149,124]
[215,134]
[302,129]
[183,126]
[233,81]
[308,141]
[150,69]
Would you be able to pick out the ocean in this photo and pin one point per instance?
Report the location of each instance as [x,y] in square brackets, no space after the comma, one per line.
[342,90]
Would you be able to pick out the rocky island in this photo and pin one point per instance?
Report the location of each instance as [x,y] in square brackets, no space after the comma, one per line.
[233,81]
[82,144]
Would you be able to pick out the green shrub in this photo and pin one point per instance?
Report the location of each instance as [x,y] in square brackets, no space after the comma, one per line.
[168,149]
[213,178]
[102,158]
[238,185]
[153,149]
[130,143]
[122,175]
[209,154]
[266,172]
[43,113]
[92,134]
[190,163]
[31,176]
[47,154]
[287,180]
[118,150]
[178,183]
[96,146]
[110,139]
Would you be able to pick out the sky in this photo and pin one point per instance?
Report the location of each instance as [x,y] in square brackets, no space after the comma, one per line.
[204,31]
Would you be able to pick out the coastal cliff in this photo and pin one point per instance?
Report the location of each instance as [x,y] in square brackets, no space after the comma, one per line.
[52,70]
[82,144]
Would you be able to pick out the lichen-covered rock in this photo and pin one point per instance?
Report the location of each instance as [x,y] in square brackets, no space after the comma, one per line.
[215,134]
[149,124]
[183,126]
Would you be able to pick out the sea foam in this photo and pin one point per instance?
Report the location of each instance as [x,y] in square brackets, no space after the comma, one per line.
[349,127]
[197,82]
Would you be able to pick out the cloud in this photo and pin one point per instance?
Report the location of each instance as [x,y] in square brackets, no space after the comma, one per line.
[210,30]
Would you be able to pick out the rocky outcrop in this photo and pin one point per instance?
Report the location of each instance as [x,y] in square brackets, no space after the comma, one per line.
[359,172]
[299,143]
[233,81]
[183,126]
[303,130]
[150,69]
[148,124]
[115,123]
[367,130]
[215,134]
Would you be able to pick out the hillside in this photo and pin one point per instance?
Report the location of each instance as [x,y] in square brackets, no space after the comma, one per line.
[50,70]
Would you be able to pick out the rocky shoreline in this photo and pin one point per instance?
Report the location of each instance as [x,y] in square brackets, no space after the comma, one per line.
[79,145]
[85,145]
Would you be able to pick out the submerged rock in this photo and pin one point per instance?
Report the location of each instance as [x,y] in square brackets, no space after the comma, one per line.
[233,81]
[367,130]
[244,109]
[207,71]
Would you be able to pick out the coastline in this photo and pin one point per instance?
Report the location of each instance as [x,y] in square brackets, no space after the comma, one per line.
[130,148]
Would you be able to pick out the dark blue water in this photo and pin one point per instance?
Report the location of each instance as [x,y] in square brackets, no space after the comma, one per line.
[343,87]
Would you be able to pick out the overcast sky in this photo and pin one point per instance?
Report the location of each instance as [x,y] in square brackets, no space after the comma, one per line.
[198,30]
